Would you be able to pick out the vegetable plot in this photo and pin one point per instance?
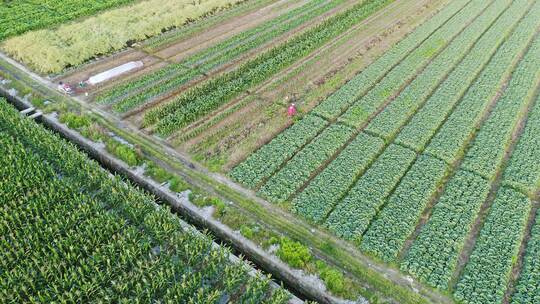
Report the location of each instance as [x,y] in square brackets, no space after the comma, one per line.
[207,97]
[434,254]
[208,59]
[527,289]
[486,275]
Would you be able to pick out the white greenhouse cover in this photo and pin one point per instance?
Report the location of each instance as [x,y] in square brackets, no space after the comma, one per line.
[124,68]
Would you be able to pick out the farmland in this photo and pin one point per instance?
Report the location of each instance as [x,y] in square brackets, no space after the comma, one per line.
[376,151]
[72,232]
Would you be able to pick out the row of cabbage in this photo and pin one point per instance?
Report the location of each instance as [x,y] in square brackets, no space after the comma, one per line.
[17,17]
[73,233]
[396,222]
[487,272]
[136,92]
[442,83]
[523,170]
[433,256]
[419,90]
[257,167]
[203,99]
[526,288]
[486,154]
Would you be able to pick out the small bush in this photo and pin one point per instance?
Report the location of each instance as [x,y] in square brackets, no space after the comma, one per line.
[123,152]
[293,253]
[246,231]
[333,279]
[74,121]
[176,184]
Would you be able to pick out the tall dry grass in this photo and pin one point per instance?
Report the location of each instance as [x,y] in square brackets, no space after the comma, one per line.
[52,50]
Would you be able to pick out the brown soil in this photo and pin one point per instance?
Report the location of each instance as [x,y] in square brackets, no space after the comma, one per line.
[135,116]
[284,37]
[194,42]
[311,80]
[228,29]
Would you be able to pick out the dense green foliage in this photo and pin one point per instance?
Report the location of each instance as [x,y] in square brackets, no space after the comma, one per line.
[352,215]
[402,211]
[487,272]
[433,256]
[298,170]
[203,99]
[328,188]
[527,289]
[17,17]
[74,233]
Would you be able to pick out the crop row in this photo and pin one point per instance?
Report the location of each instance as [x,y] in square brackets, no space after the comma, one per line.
[145,96]
[298,170]
[488,149]
[205,98]
[250,39]
[402,211]
[73,233]
[523,170]
[451,139]
[422,127]
[486,275]
[352,215]
[216,55]
[326,189]
[357,114]
[527,289]
[265,161]
[161,42]
[434,254]
[17,17]
[466,55]
[131,87]
[336,103]
[298,135]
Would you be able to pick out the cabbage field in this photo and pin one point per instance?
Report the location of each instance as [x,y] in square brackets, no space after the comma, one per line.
[427,159]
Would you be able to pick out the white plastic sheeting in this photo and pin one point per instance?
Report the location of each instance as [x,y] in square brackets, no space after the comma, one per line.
[114,72]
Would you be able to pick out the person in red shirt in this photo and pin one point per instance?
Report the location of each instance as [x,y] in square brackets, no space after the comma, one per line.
[291,111]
